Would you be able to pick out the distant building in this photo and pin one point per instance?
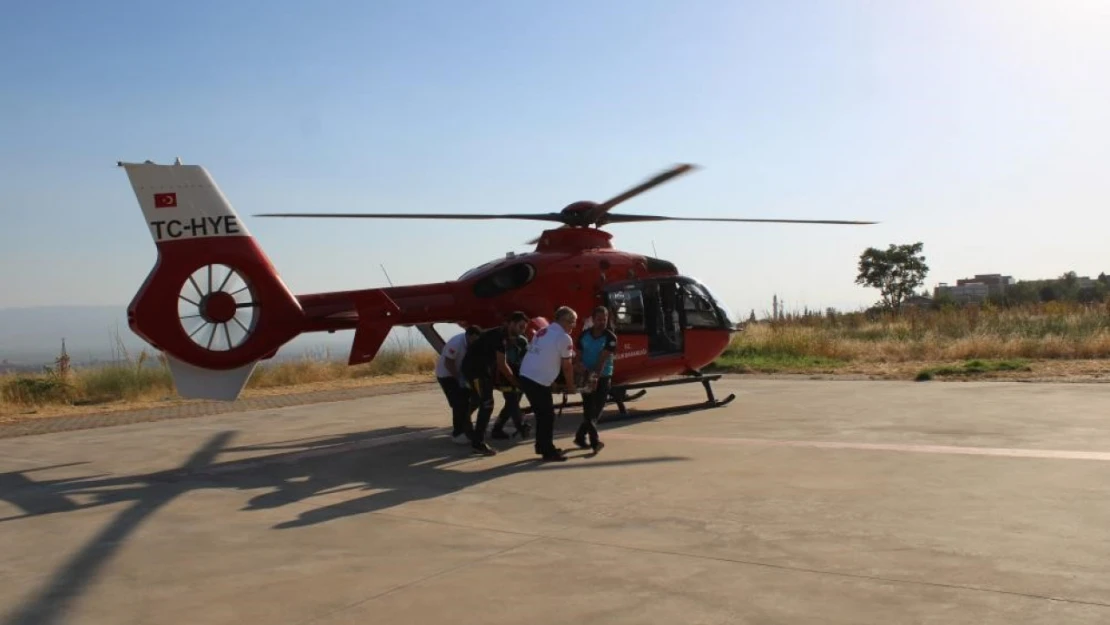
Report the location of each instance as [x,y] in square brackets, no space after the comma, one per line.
[971,292]
[996,283]
[977,289]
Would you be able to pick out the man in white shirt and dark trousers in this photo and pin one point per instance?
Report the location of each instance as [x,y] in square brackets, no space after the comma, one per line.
[550,353]
[451,380]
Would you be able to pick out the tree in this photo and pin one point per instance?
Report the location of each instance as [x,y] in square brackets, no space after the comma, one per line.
[895,271]
[1024,292]
[1092,294]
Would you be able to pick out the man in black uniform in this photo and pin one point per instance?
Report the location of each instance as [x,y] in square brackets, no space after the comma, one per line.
[484,359]
[514,354]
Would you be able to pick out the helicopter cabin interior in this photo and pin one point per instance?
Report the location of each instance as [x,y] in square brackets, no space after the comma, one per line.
[663,309]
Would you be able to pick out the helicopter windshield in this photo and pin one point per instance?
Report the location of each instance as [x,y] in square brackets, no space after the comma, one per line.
[694,285]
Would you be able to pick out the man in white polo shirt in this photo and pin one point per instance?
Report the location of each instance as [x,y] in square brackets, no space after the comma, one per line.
[550,353]
[453,383]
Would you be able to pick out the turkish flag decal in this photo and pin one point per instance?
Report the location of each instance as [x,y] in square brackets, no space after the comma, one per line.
[165,200]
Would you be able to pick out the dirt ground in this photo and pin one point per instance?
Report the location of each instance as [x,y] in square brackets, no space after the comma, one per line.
[1040,371]
[52,410]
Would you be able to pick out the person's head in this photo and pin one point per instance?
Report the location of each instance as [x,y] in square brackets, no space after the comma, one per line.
[566,317]
[472,334]
[517,323]
[600,318]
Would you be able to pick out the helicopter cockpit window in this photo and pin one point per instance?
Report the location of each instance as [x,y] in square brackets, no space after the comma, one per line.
[506,279]
[627,308]
[699,308]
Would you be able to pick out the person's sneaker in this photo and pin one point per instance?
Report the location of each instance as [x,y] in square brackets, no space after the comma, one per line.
[554,456]
[483,449]
[461,438]
[597,446]
[581,443]
[499,434]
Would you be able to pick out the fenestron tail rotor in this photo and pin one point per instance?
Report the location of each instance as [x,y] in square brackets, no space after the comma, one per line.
[217,308]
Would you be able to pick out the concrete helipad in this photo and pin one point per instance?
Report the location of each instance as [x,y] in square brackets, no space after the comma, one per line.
[801,502]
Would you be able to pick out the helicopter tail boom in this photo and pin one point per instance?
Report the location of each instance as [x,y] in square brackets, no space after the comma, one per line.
[213,303]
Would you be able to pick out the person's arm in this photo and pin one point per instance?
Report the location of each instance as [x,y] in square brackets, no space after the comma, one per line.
[568,374]
[503,363]
[567,353]
[606,352]
[503,367]
[578,364]
[449,361]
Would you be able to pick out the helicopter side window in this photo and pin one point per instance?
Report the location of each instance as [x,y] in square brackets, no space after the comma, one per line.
[506,279]
[698,307]
[627,308]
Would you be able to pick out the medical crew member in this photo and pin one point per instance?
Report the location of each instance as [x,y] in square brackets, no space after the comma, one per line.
[453,383]
[484,357]
[514,354]
[596,349]
[550,353]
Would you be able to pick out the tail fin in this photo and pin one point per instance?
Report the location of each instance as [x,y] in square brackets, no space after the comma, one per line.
[213,302]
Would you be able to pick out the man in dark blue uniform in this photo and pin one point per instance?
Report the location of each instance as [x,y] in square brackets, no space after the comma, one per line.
[514,354]
[485,359]
[597,348]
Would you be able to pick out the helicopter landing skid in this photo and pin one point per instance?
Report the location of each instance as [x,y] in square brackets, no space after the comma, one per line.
[620,396]
[710,400]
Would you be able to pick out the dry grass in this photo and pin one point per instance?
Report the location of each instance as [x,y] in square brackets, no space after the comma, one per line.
[1054,340]
[1052,331]
[144,380]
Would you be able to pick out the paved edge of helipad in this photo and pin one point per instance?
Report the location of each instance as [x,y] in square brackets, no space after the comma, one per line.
[69,422]
[34,426]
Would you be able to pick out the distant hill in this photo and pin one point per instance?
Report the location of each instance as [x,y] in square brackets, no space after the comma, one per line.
[34,335]
[31,337]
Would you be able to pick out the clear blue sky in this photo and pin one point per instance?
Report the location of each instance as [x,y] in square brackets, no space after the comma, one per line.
[980,128]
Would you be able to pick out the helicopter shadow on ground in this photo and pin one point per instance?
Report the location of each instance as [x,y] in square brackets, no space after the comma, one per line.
[415,469]
[400,473]
[400,465]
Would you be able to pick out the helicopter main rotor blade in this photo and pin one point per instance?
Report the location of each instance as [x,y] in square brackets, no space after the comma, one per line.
[536,217]
[601,209]
[618,218]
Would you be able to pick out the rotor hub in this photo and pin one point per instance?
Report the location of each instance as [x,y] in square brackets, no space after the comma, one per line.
[218,307]
[578,213]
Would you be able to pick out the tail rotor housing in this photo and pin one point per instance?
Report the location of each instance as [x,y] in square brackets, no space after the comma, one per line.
[213,303]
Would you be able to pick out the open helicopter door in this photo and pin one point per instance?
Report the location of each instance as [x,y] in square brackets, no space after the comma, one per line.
[662,317]
[651,307]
